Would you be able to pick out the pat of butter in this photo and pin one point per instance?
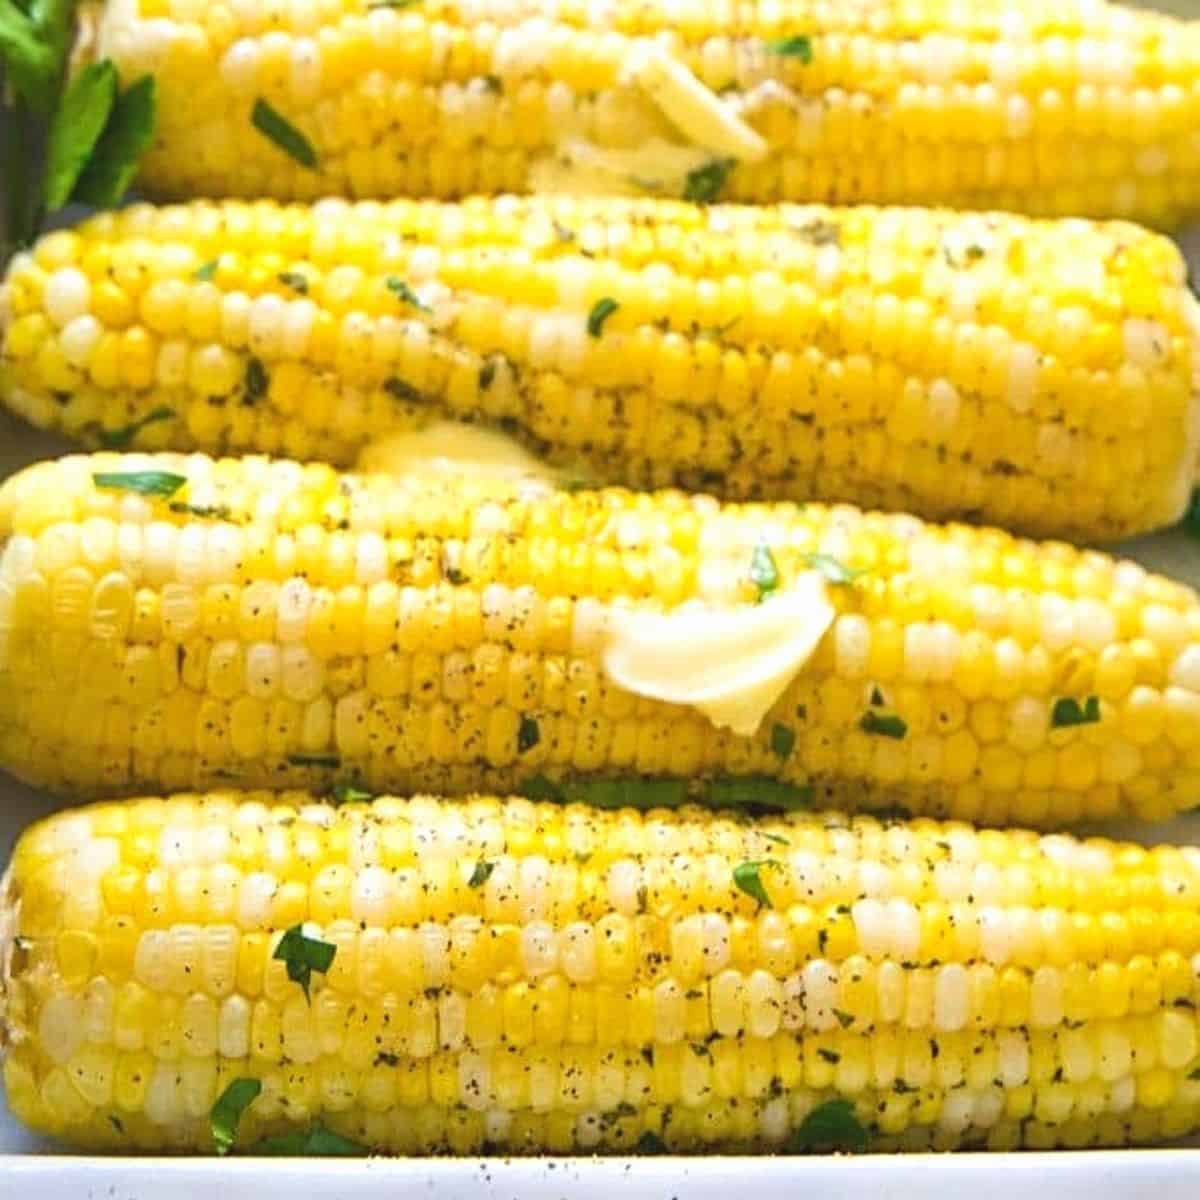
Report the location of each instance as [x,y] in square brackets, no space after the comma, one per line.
[581,168]
[448,449]
[730,665]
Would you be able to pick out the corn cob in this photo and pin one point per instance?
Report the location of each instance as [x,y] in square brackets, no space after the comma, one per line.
[1072,108]
[538,977]
[1039,376]
[268,624]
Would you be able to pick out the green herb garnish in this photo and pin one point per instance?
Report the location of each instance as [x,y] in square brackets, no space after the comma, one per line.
[303,955]
[402,291]
[314,1142]
[529,733]
[206,272]
[256,382]
[783,740]
[799,47]
[128,134]
[757,793]
[833,1125]
[347,793]
[705,184]
[746,878]
[832,568]
[228,1110]
[295,281]
[1067,711]
[144,483]
[330,761]
[883,724]
[481,874]
[601,311]
[122,439]
[274,126]
[764,573]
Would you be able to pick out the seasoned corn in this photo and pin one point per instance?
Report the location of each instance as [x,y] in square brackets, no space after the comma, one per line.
[270,624]
[1035,375]
[1075,107]
[527,977]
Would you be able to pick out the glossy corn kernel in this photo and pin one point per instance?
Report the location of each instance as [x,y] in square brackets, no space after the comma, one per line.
[1072,108]
[273,624]
[1036,375]
[533,977]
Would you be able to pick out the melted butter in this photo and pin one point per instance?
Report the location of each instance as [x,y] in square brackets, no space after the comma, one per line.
[581,168]
[730,665]
[453,449]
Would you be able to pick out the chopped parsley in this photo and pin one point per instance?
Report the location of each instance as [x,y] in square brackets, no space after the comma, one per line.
[206,272]
[777,838]
[529,733]
[601,311]
[832,568]
[227,1112]
[399,390]
[122,439]
[162,484]
[274,126]
[256,382]
[764,573]
[303,955]
[799,47]
[783,740]
[314,760]
[481,874]
[295,281]
[1068,711]
[650,1143]
[833,1125]
[757,793]
[348,793]
[402,291]
[705,184]
[746,878]
[884,724]
[314,1142]
[820,232]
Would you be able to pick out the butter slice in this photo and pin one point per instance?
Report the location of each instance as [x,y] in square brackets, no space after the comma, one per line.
[730,665]
[450,449]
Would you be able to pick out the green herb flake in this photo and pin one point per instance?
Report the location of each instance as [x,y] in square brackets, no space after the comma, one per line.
[764,573]
[117,1123]
[256,382]
[274,126]
[650,1144]
[884,724]
[122,439]
[303,955]
[833,1125]
[76,130]
[405,392]
[1068,711]
[601,311]
[844,1019]
[487,375]
[402,291]
[228,1110]
[834,570]
[529,733]
[481,874]
[207,271]
[314,1142]
[162,484]
[128,134]
[799,47]
[783,740]
[758,794]
[830,1056]
[538,787]
[777,838]
[295,281]
[705,184]
[397,4]
[746,878]
[348,793]
[329,761]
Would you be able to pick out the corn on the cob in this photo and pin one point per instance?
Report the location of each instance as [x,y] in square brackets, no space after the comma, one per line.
[1071,108]
[269,624]
[1034,375]
[538,977]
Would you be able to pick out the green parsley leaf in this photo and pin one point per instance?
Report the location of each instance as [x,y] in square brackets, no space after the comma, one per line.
[331,761]
[650,1144]
[1067,711]
[538,787]
[29,59]
[529,733]
[832,568]
[833,1125]
[705,184]
[127,136]
[314,1142]
[145,483]
[303,955]
[228,1110]
[642,794]
[481,874]
[884,724]
[391,4]
[777,838]
[747,879]
[764,574]
[205,273]
[783,740]
[295,281]
[401,290]
[76,129]
[799,47]
[601,311]
[399,390]
[256,382]
[278,129]
[122,439]
[757,792]
[347,793]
